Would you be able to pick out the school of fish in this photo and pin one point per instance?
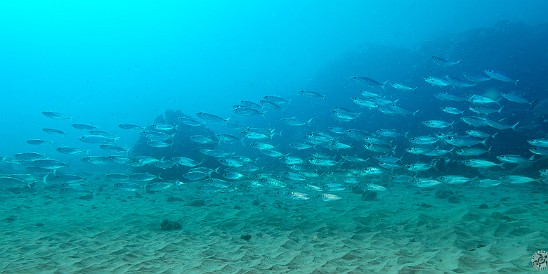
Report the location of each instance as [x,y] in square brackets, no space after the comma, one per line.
[294,159]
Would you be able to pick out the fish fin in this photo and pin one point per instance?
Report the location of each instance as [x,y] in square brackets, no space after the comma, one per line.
[514,126]
[533,104]
[44,179]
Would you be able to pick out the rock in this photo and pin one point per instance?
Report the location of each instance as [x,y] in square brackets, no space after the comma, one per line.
[168,225]
[245,237]
[425,205]
[454,199]
[357,190]
[369,195]
[172,199]
[444,193]
[196,203]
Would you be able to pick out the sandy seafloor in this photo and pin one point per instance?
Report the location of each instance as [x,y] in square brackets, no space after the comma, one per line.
[406,230]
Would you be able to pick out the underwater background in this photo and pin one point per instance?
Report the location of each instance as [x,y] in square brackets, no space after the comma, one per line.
[273,136]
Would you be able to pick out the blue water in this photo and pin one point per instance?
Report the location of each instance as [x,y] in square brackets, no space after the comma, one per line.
[105,64]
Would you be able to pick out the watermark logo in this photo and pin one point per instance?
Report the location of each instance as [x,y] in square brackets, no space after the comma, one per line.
[540,260]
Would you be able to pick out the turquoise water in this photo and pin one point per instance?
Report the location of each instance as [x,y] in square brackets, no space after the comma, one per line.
[404,137]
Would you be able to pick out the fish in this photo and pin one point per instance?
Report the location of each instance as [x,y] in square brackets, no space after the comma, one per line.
[249,104]
[365,103]
[444,62]
[437,123]
[380,148]
[97,139]
[55,115]
[293,121]
[403,87]
[368,81]
[130,186]
[438,82]
[269,105]
[300,146]
[485,110]
[540,142]
[295,195]
[113,148]
[260,145]
[480,163]
[475,78]
[277,100]
[142,177]
[487,182]
[210,117]
[159,144]
[96,160]
[539,150]
[245,111]
[515,159]
[497,75]
[189,121]
[454,179]
[201,139]
[230,162]
[479,134]
[392,133]
[83,126]
[256,135]
[464,141]
[471,151]
[446,96]
[308,93]
[323,162]
[28,156]
[459,83]
[185,161]
[512,97]
[345,115]
[423,140]
[217,153]
[426,182]
[70,150]
[158,186]
[481,100]
[328,197]
[227,138]
[130,126]
[517,179]
[233,175]
[37,142]
[452,110]
[499,125]
[50,164]
[54,131]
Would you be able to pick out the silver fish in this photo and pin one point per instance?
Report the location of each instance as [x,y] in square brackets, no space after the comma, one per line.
[97,139]
[84,126]
[210,117]
[308,93]
[129,126]
[444,62]
[437,81]
[493,74]
[55,115]
[53,131]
